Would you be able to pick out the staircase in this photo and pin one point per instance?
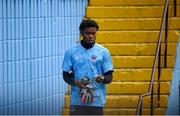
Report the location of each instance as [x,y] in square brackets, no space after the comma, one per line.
[129,29]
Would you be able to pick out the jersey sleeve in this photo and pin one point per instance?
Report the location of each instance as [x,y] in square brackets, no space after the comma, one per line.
[67,62]
[107,62]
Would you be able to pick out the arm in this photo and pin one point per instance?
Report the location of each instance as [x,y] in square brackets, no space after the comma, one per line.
[108,77]
[105,78]
[107,69]
[69,78]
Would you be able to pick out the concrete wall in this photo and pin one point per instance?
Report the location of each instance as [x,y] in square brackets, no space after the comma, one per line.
[34,35]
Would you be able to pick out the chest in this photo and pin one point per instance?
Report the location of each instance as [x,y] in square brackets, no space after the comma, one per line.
[85,57]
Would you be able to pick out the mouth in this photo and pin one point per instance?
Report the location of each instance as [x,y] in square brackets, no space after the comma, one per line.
[91,41]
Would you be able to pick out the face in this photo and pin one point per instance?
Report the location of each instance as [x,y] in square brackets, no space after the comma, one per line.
[89,35]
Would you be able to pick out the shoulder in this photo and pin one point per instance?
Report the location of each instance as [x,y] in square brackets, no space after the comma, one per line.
[102,48]
[73,49]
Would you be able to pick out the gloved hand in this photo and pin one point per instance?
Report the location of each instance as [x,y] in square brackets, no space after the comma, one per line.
[86,90]
[86,95]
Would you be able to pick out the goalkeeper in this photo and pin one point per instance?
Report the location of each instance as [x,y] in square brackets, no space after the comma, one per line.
[87,67]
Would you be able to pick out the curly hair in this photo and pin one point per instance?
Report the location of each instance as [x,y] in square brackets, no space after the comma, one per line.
[88,23]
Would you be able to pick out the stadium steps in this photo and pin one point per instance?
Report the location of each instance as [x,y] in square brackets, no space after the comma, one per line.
[130,29]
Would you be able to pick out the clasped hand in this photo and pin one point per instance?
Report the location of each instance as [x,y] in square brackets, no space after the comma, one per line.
[100,78]
[85,81]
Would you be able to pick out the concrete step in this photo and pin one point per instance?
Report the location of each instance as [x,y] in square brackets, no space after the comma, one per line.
[135,24]
[139,49]
[136,75]
[128,11]
[127,101]
[139,61]
[128,111]
[134,36]
[133,88]
[130,2]
[125,111]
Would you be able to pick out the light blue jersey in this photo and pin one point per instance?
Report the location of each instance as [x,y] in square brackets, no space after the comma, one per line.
[91,63]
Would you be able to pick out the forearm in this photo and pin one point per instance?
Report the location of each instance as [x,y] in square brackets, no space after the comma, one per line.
[68,78]
[107,77]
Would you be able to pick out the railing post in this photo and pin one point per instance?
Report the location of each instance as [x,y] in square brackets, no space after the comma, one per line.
[152,97]
[139,108]
[140,111]
[159,75]
[166,39]
[88,2]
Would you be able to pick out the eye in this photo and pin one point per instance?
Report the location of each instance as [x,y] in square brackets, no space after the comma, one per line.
[90,33]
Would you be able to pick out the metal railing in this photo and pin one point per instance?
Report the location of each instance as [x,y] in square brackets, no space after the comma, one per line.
[157,56]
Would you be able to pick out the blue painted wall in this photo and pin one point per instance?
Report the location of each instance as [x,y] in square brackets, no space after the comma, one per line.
[173,103]
[34,35]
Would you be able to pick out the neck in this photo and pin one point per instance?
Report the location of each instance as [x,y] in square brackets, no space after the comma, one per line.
[87,46]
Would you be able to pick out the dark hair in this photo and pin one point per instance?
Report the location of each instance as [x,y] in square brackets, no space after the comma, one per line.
[88,23]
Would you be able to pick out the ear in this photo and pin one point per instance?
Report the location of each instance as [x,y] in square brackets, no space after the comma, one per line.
[81,37]
[81,31]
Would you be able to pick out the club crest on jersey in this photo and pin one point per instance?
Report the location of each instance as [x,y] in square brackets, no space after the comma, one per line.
[93,57]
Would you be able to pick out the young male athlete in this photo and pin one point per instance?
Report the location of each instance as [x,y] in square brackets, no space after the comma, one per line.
[87,67]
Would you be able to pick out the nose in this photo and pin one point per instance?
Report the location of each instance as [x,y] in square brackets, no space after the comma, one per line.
[91,35]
